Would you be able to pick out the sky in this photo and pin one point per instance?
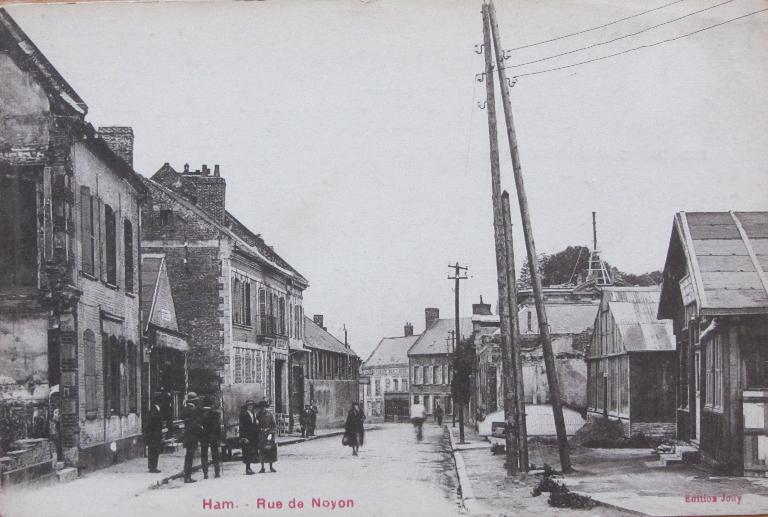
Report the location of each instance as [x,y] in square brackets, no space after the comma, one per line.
[350,137]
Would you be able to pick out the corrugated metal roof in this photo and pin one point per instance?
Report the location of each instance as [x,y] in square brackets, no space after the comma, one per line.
[634,313]
[563,318]
[391,350]
[433,340]
[726,277]
[319,339]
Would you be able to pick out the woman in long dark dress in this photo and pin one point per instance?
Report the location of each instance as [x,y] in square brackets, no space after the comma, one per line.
[354,433]
[249,435]
[267,444]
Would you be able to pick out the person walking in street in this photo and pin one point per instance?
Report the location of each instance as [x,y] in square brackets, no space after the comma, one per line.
[192,431]
[418,415]
[354,432]
[249,431]
[267,428]
[211,438]
[304,421]
[153,434]
[312,420]
[438,413]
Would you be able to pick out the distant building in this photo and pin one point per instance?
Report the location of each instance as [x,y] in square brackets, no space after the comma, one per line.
[631,363]
[332,374]
[715,291]
[70,354]
[387,372]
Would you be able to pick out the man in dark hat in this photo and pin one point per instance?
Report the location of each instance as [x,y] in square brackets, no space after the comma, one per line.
[192,432]
[153,434]
[249,435]
[211,437]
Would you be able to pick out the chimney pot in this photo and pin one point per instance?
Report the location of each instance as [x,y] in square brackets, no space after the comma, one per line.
[408,329]
[318,319]
[216,170]
[186,168]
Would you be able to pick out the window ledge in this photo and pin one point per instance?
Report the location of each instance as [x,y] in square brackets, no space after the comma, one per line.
[130,294]
[87,275]
[112,286]
[242,325]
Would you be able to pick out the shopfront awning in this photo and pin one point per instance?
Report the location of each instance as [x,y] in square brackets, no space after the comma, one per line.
[167,340]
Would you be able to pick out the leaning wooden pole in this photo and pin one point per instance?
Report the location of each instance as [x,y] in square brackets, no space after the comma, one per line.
[514,333]
[501,263]
[546,341]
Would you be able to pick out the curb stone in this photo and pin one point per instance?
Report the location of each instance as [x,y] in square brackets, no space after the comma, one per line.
[465,487]
[292,441]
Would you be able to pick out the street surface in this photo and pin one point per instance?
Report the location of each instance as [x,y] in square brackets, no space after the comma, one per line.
[393,475]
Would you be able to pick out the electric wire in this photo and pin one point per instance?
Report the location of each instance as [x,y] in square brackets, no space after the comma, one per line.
[649,45]
[593,45]
[595,28]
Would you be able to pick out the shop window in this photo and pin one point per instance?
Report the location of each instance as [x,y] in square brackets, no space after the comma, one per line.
[133,398]
[754,360]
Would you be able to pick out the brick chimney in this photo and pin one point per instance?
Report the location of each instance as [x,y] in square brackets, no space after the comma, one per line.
[211,190]
[408,328]
[120,141]
[431,314]
[318,319]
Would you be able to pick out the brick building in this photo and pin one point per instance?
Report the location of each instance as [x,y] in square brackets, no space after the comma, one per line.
[237,301]
[69,272]
[387,372]
[331,371]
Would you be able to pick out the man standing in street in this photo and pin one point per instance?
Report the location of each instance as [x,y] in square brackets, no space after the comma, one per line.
[192,431]
[153,435]
[438,413]
[210,438]
[312,421]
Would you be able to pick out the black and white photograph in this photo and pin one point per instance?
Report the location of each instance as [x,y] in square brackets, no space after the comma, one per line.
[383,258]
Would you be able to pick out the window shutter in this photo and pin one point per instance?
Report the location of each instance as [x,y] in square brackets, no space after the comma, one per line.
[86,230]
[99,206]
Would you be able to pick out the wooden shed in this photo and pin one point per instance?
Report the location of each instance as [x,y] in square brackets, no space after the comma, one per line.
[715,291]
[631,363]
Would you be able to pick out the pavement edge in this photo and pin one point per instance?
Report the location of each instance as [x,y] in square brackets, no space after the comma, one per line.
[465,486]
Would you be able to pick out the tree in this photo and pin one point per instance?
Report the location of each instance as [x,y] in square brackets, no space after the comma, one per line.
[463,367]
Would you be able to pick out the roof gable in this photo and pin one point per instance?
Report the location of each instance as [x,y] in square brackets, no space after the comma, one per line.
[633,310]
[157,303]
[726,254]
[433,340]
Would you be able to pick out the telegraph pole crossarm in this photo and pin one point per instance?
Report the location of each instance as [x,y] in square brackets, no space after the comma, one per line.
[545,338]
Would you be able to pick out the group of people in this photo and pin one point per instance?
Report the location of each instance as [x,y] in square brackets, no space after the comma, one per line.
[308,421]
[257,436]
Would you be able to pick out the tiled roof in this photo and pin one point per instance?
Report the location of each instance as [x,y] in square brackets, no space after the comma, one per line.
[391,350]
[726,255]
[433,340]
[319,339]
[634,312]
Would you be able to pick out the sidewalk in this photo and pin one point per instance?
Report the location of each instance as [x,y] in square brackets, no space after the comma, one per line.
[618,479]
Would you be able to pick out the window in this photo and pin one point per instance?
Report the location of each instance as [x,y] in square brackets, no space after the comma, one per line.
[116,387]
[427,406]
[427,374]
[436,374]
[415,399]
[241,300]
[417,375]
[387,384]
[263,310]
[395,385]
[282,317]
[376,387]
[238,366]
[624,385]
[248,360]
[89,357]
[87,234]
[128,252]
[18,229]
[405,385]
[530,321]
[166,217]
[713,379]
[110,245]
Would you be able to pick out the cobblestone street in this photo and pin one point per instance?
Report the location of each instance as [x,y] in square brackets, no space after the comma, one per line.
[394,475]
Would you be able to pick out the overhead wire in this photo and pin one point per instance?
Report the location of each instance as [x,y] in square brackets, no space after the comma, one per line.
[597,27]
[613,40]
[649,45]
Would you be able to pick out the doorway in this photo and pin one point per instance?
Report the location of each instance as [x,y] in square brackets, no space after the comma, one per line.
[697,392]
[297,390]
[279,386]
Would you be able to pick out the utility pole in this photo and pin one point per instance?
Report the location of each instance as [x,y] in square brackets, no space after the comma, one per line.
[546,341]
[450,347]
[510,407]
[458,276]
[517,361]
